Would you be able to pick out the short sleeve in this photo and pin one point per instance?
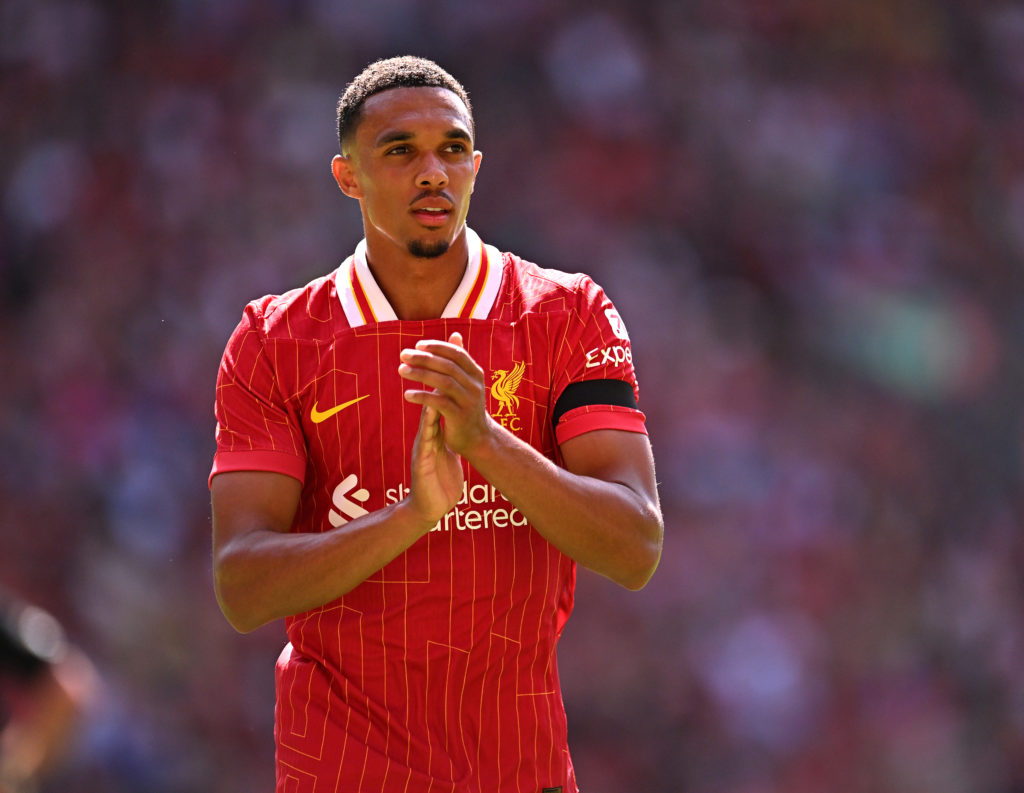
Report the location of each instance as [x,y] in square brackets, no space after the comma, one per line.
[595,384]
[256,429]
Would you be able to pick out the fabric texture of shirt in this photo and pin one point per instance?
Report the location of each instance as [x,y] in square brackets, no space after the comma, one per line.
[437,673]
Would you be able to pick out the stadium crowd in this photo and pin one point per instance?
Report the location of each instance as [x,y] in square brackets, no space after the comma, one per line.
[811,216]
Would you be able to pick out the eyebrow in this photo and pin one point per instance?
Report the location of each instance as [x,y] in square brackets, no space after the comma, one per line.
[400,135]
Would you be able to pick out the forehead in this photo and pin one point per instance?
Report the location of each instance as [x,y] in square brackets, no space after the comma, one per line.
[411,109]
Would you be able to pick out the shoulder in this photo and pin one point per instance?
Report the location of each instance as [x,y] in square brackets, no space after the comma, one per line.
[581,304]
[547,289]
[306,312]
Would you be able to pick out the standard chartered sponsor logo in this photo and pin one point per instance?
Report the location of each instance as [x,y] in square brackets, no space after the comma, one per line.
[348,509]
[481,507]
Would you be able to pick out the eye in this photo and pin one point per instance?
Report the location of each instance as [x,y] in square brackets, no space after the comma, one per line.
[456,148]
[399,149]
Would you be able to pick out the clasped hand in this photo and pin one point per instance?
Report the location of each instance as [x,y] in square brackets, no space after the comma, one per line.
[453,421]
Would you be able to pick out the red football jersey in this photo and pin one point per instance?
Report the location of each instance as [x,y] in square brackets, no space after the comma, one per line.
[438,673]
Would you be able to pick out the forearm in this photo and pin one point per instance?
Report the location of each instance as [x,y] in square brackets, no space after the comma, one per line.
[262,575]
[606,526]
[601,509]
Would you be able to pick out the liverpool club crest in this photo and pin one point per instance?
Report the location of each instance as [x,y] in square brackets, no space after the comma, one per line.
[503,391]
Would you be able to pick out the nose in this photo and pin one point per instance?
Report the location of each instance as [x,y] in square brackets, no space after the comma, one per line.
[432,174]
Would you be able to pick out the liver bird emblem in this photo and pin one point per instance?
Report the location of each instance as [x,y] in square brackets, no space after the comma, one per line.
[504,388]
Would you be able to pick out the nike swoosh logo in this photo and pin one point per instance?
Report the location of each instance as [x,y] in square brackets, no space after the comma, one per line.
[319,416]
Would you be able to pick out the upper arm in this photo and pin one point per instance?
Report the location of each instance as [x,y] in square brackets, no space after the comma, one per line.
[624,460]
[247,501]
[614,456]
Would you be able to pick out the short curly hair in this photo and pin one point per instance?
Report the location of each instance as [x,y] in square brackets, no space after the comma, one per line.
[405,71]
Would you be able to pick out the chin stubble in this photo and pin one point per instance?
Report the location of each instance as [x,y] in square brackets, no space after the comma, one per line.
[432,250]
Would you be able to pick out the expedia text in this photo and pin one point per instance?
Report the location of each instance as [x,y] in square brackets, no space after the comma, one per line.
[612,356]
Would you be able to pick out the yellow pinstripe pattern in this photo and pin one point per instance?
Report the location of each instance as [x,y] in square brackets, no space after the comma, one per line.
[397,686]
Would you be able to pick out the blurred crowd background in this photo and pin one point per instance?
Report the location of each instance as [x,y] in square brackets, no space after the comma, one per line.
[810,214]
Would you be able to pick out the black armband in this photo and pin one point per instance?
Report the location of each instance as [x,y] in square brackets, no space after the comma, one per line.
[593,392]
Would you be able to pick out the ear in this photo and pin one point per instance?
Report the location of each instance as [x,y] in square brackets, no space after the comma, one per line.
[345,176]
[478,157]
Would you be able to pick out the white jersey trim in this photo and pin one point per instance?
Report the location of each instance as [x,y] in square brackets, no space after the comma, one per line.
[354,275]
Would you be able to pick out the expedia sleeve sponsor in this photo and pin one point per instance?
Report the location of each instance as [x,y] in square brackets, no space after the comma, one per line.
[599,345]
[594,381]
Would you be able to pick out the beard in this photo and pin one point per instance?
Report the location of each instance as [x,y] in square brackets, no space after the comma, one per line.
[428,250]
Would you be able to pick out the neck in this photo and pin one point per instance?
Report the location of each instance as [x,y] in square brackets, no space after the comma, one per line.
[417,288]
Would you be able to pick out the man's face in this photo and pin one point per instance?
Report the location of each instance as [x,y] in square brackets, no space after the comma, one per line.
[412,166]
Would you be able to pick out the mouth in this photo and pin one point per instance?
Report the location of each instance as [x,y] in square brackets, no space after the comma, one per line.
[433,216]
[432,208]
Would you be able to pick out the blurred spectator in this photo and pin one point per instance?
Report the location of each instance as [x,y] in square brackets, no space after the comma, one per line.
[46,684]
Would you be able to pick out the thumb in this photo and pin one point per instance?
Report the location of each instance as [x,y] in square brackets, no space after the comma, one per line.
[430,424]
[456,339]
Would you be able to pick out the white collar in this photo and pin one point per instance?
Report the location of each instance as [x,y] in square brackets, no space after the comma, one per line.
[363,300]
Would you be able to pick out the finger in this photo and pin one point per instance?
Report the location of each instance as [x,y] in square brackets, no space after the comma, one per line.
[456,339]
[445,349]
[443,357]
[439,403]
[437,372]
[452,384]
[420,397]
